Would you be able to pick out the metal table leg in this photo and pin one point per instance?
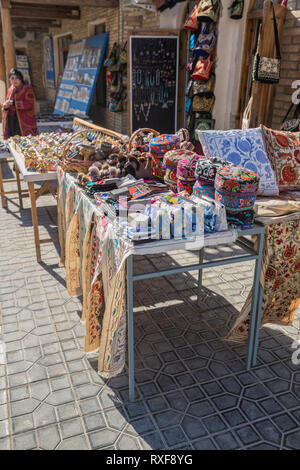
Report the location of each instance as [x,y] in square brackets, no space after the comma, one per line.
[254,303]
[130,327]
[257,326]
[200,274]
[2,186]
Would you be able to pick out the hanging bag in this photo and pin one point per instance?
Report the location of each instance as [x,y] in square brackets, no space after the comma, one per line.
[192,22]
[266,69]
[206,40]
[204,87]
[236,9]
[208,11]
[293,124]
[202,69]
[203,102]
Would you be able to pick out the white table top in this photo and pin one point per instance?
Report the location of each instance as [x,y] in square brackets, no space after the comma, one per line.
[30,176]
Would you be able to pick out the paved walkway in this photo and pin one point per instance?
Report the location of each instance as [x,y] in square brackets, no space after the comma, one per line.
[193,391]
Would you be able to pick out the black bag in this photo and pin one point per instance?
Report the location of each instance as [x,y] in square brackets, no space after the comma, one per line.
[236,9]
[266,69]
[291,125]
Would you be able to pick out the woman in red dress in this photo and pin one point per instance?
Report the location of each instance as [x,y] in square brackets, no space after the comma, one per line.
[19,108]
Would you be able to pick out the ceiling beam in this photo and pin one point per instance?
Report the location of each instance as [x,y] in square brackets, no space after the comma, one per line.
[35,22]
[81,3]
[51,12]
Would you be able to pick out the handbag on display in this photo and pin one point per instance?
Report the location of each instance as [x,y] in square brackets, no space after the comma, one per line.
[192,23]
[292,124]
[208,11]
[204,87]
[236,9]
[202,68]
[266,69]
[202,124]
[206,40]
[203,102]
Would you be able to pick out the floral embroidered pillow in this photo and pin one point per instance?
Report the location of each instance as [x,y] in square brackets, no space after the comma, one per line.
[245,148]
[283,150]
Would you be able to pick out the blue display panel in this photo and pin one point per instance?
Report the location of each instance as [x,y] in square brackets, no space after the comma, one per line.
[90,64]
[49,62]
[66,88]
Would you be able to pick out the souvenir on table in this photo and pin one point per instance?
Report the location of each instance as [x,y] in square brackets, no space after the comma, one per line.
[283,149]
[245,148]
[170,163]
[202,189]
[163,143]
[186,173]
[206,169]
[215,219]
[236,188]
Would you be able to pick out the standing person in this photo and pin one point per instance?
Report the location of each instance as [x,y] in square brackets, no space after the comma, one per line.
[19,107]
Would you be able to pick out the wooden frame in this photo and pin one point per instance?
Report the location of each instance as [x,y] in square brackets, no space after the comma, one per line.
[263,94]
[182,38]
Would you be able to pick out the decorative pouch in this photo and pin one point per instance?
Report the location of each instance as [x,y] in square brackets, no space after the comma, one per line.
[236,9]
[204,102]
[192,23]
[291,125]
[206,40]
[203,68]
[208,11]
[266,69]
[204,87]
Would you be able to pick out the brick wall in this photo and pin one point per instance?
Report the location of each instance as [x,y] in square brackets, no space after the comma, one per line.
[35,57]
[290,68]
[120,24]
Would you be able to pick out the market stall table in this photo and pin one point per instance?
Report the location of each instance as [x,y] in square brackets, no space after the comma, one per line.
[7,157]
[83,208]
[31,178]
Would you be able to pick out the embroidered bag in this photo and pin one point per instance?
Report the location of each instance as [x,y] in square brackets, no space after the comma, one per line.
[206,40]
[236,9]
[192,22]
[204,102]
[266,69]
[204,87]
[291,125]
[203,68]
[208,11]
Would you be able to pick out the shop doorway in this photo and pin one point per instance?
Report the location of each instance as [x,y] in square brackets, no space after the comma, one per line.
[98,104]
[61,48]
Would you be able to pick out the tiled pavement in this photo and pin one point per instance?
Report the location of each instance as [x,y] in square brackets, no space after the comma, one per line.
[193,391]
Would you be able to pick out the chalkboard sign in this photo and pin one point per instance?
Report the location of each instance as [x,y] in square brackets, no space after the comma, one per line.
[154,83]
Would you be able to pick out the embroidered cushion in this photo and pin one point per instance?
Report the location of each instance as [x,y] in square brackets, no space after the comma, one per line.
[283,149]
[245,148]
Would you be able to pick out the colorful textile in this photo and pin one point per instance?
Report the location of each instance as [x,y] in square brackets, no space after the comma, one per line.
[204,190]
[185,186]
[24,100]
[170,179]
[233,180]
[171,159]
[280,278]
[206,168]
[243,148]
[240,218]
[157,167]
[283,149]
[163,143]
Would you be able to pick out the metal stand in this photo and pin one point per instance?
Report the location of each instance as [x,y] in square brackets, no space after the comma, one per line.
[256,299]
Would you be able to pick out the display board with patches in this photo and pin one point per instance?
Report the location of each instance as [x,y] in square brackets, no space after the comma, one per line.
[90,64]
[68,81]
[154,82]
